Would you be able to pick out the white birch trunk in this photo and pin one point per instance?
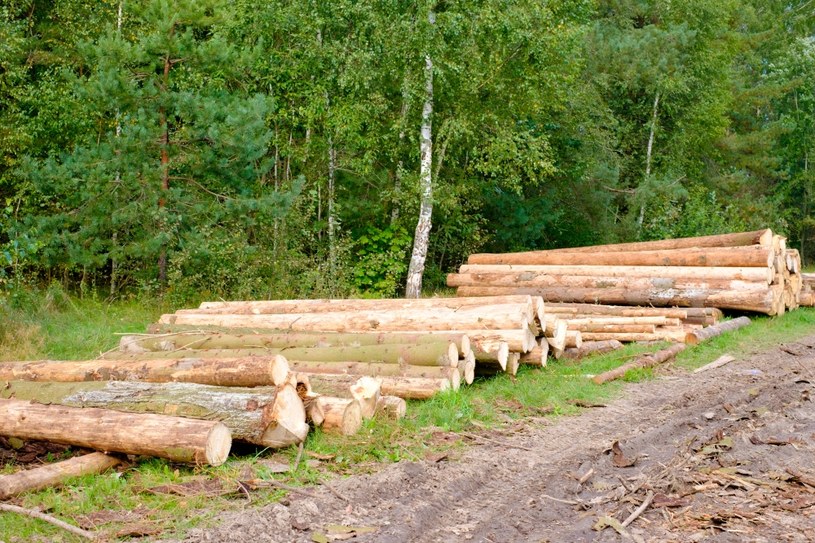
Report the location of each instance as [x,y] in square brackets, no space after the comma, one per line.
[648,154]
[332,219]
[421,238]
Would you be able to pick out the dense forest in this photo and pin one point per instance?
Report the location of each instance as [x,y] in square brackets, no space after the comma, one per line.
[313,148]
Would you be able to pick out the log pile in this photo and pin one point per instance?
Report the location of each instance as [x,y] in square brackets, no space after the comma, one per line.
[748,271]
[807,296]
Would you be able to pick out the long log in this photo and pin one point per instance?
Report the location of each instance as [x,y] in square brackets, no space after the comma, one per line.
[55,474]
[588,320]
[247,371]
[592,347]
[175,438]
[585,281]
[699,273]
[428,354]
[618,328]
[762,237]
[372,369]
[266,416]
[563,310]
[647,361]
[744,257]
[697,336]
[658,335]
[285,340]
[410,388]
[760,301]
[502,317]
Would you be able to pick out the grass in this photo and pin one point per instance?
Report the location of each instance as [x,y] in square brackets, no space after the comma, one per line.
[66,328]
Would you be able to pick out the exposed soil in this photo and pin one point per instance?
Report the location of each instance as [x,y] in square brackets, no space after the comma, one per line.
[727,455]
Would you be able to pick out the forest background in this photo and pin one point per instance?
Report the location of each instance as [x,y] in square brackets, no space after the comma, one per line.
[286,149]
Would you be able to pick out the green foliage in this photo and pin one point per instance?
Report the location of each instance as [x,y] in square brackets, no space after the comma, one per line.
[380,261]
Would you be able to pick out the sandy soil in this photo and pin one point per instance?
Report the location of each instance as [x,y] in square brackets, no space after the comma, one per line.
[723,455]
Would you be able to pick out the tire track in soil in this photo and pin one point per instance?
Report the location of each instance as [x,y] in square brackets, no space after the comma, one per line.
[495,493]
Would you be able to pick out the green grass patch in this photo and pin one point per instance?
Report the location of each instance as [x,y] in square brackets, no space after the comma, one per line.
[62,327]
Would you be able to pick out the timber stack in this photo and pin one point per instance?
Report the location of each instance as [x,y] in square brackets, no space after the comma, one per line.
[747,271]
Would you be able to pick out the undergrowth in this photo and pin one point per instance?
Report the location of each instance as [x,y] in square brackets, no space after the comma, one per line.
[60,326]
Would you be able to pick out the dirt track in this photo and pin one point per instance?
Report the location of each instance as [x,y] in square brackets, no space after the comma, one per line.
[728,455]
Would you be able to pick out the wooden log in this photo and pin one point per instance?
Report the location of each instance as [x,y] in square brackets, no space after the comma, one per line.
[373,369]
[592,347]
[558,331]
[759,301]
[491,351]
[583,309]
[747,257]
[247,371]
[574,338]
[517,340]
[280,307]
[527,279]
[697,336]
[762,237]
[537,356]
[467,368]
[175,438]
[366,391]
[410,388]
[265,416]
[647,361]
[602,319]
[618,328]
[54,474]
[428,354]
[340,415]
[502,317]
[699,273]
[718,363]
[658,335]
[283,340]
[391,407]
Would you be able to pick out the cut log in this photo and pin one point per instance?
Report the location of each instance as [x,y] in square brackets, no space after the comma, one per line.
[759,237]
[366,391]
[500,317]
[372,369]
[55,474]
[759,301]
[574,338]
[340,415]
[658,335]
[697,336]
[618,328]
[280,307]
[429,354]
[530,280]
[283,340]
[247,371]
[699,273]
[513,363]
[592,347]
[391,407]
[563,310]
[491,351]
[175,438]
[718,363]
[746,257]
[647,361]
[467,368]
[411,388]
[265,416]
[537,356]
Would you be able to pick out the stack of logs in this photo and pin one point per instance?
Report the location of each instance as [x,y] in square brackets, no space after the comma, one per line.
[748,271]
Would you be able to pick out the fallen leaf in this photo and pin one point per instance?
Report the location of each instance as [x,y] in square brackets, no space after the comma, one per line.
[435,457]
[619,460]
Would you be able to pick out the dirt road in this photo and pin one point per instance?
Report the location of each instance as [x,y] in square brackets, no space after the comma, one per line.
[724,455]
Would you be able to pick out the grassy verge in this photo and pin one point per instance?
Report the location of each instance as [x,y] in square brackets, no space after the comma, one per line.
[77,329]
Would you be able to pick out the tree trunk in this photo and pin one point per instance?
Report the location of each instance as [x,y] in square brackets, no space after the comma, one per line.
[376,370]
[530,272]
[648,155]
[410,388]
[165,171]
[579,310]
[647,361]
[421,238]
[175,438]
[439,319]
[748,257]
[265,416]
[51,475]
[248,371]
[712,331]
[218,340]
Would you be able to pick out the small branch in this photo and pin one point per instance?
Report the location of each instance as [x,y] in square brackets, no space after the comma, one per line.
[640,510]
[49,519]
[299,456]
[567,502]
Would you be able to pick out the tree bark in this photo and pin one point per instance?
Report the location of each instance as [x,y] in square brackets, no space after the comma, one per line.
[378,370]
[248,371]
[408,320]
[592,347]
[265,416]
[175,438]
[647,361]
[530,272]
[51,475]
[745,257]
[421,238]
[697,336]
